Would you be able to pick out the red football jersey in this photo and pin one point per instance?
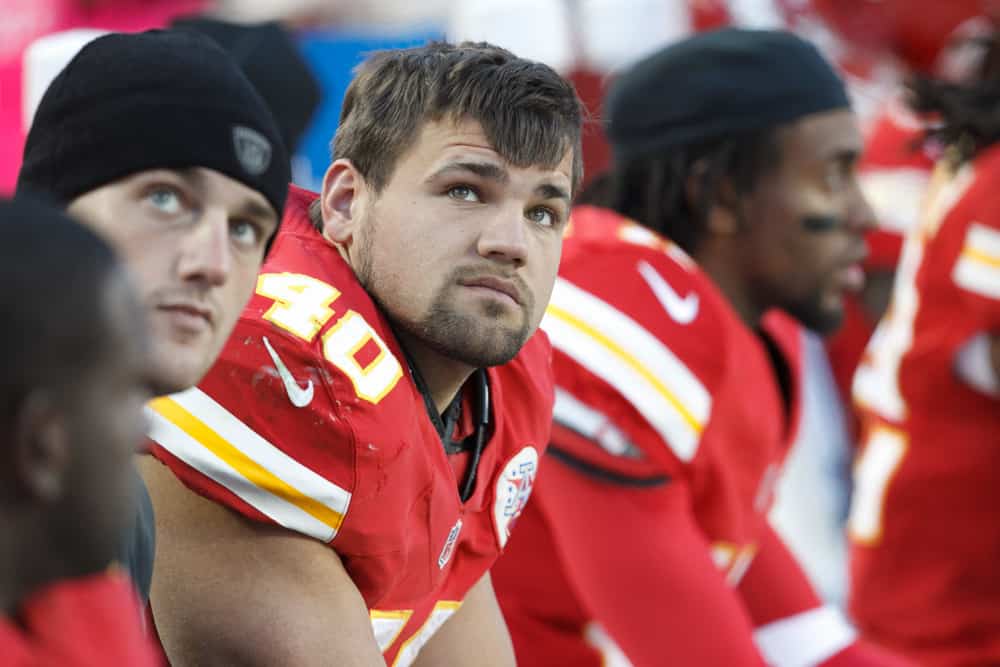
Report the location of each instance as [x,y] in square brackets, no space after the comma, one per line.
[311,420]
[923,519]
[648,521]
[87,622]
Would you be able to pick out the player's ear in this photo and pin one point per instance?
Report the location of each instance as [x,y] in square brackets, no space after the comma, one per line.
[722,216]
[342,199]
[722,220]
[40,448]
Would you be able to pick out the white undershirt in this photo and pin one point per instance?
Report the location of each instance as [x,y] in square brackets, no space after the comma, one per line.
[974,366]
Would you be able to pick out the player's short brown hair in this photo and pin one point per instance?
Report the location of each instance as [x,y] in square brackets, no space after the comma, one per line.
[529,113]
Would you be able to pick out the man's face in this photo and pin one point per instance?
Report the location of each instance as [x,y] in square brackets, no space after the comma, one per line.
[194,239]
[461,248]
[105,425]
[804,239]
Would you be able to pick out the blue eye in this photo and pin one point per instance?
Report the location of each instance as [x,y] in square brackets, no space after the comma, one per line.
[463,193]
[245,233]
[543,216]
[165,199]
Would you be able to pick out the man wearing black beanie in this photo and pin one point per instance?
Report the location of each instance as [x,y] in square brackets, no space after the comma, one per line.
[158,142]
[732,194]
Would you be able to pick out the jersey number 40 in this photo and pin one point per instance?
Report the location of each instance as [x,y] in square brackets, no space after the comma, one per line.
[302,307]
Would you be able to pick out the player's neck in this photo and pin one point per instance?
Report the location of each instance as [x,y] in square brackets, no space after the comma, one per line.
[23,567]
[442,375]
[723,269]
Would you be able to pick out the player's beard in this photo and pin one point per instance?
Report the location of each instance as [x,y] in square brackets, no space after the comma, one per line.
[813,315]
[475,340]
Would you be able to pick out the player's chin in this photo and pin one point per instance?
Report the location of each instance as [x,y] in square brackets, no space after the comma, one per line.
[489,345]
[485,315]
[828,315]
[822,314]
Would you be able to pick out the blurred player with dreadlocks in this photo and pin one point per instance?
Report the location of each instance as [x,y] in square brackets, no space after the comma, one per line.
[733,193]
[918,37]
[923,520]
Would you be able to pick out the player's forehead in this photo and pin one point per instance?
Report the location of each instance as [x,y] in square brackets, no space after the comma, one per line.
[446,143]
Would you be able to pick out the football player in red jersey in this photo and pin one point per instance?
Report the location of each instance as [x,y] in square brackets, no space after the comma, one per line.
[922,521]
[916,37]
[733,194]
[357,457]
[75,379]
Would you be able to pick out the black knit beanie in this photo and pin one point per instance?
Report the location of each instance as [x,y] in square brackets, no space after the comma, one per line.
[161,99]
[716,84]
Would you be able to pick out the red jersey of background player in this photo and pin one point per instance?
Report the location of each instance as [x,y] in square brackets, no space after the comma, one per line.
[893,172]
[923,521]
[87,622]
[312,420]
[646,542]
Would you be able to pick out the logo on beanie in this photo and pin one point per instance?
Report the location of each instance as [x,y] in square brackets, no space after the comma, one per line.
[253,150]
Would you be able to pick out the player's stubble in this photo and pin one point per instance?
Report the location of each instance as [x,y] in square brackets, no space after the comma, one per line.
[477,340]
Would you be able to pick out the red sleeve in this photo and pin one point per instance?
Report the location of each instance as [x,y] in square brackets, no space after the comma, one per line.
[792,627]
[961,266]
[637,359]
[704,622]
[975,270]
[262,435]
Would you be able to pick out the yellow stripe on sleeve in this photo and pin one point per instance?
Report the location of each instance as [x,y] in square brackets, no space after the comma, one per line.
[204,435]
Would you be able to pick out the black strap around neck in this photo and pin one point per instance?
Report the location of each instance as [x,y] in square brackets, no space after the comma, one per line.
[445,424]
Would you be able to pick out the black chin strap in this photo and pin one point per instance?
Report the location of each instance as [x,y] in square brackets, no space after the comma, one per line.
[445,423]
[478,437]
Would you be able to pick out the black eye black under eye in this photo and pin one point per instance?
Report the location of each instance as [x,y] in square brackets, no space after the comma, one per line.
[821,223]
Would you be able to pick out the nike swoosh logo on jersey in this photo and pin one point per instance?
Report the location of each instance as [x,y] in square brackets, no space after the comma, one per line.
[682,310]
[299,396]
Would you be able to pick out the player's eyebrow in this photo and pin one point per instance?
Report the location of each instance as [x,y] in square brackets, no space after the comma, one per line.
[251,208]
[494,172]
[485,170]
[192,175]
[256,210]
[550,191]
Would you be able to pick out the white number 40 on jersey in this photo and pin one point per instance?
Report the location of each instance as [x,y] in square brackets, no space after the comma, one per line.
[302,308]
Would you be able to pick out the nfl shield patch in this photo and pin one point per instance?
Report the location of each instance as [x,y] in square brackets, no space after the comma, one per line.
[513,490]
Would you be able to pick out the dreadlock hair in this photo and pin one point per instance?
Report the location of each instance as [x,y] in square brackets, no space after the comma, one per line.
[672,192]
[969,112]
